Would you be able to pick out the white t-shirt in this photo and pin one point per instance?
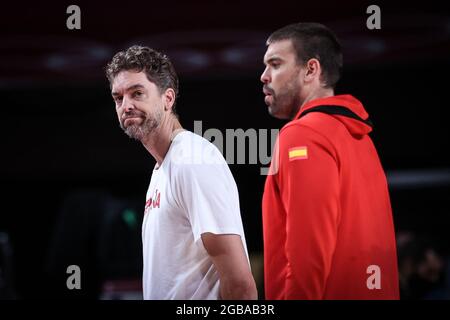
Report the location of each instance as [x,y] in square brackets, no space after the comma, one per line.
[190,193]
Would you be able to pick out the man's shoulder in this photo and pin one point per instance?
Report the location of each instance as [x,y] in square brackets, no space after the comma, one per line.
[311,125]
[187,140]
[307,131]
[190,148]
[298,127]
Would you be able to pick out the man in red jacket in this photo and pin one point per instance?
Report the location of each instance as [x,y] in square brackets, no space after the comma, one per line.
[327,219]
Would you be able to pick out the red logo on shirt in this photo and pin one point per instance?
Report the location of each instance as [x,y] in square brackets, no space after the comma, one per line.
[153,202]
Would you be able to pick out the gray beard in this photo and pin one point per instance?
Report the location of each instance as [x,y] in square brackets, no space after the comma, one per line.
[139,132]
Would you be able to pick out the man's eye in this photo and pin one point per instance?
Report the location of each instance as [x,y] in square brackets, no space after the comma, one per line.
[118,99]
[137,94]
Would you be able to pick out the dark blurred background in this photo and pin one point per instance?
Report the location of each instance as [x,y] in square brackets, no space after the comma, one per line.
[73,185]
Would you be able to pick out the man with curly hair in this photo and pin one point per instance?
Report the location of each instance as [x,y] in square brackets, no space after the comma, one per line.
[193,239]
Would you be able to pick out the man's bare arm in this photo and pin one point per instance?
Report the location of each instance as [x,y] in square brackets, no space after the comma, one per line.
[228,255]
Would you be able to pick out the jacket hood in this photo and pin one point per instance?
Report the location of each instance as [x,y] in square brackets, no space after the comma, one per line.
[354,126]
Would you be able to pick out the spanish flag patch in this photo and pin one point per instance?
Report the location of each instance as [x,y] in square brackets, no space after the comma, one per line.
[298,153]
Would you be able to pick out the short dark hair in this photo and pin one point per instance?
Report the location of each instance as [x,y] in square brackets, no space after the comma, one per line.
[314,40]
[156,66]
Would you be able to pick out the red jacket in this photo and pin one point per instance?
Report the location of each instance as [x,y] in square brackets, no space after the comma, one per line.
[327,220]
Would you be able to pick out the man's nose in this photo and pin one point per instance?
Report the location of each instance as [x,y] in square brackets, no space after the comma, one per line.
[127,105]
[265,77]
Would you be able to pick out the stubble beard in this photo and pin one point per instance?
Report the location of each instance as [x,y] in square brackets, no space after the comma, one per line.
[141,131]
[285,104]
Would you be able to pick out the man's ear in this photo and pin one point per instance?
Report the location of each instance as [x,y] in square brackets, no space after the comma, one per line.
[312,70]
[169,99]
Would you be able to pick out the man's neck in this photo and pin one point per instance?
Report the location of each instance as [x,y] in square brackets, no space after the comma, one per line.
[158,142]
[316,94]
